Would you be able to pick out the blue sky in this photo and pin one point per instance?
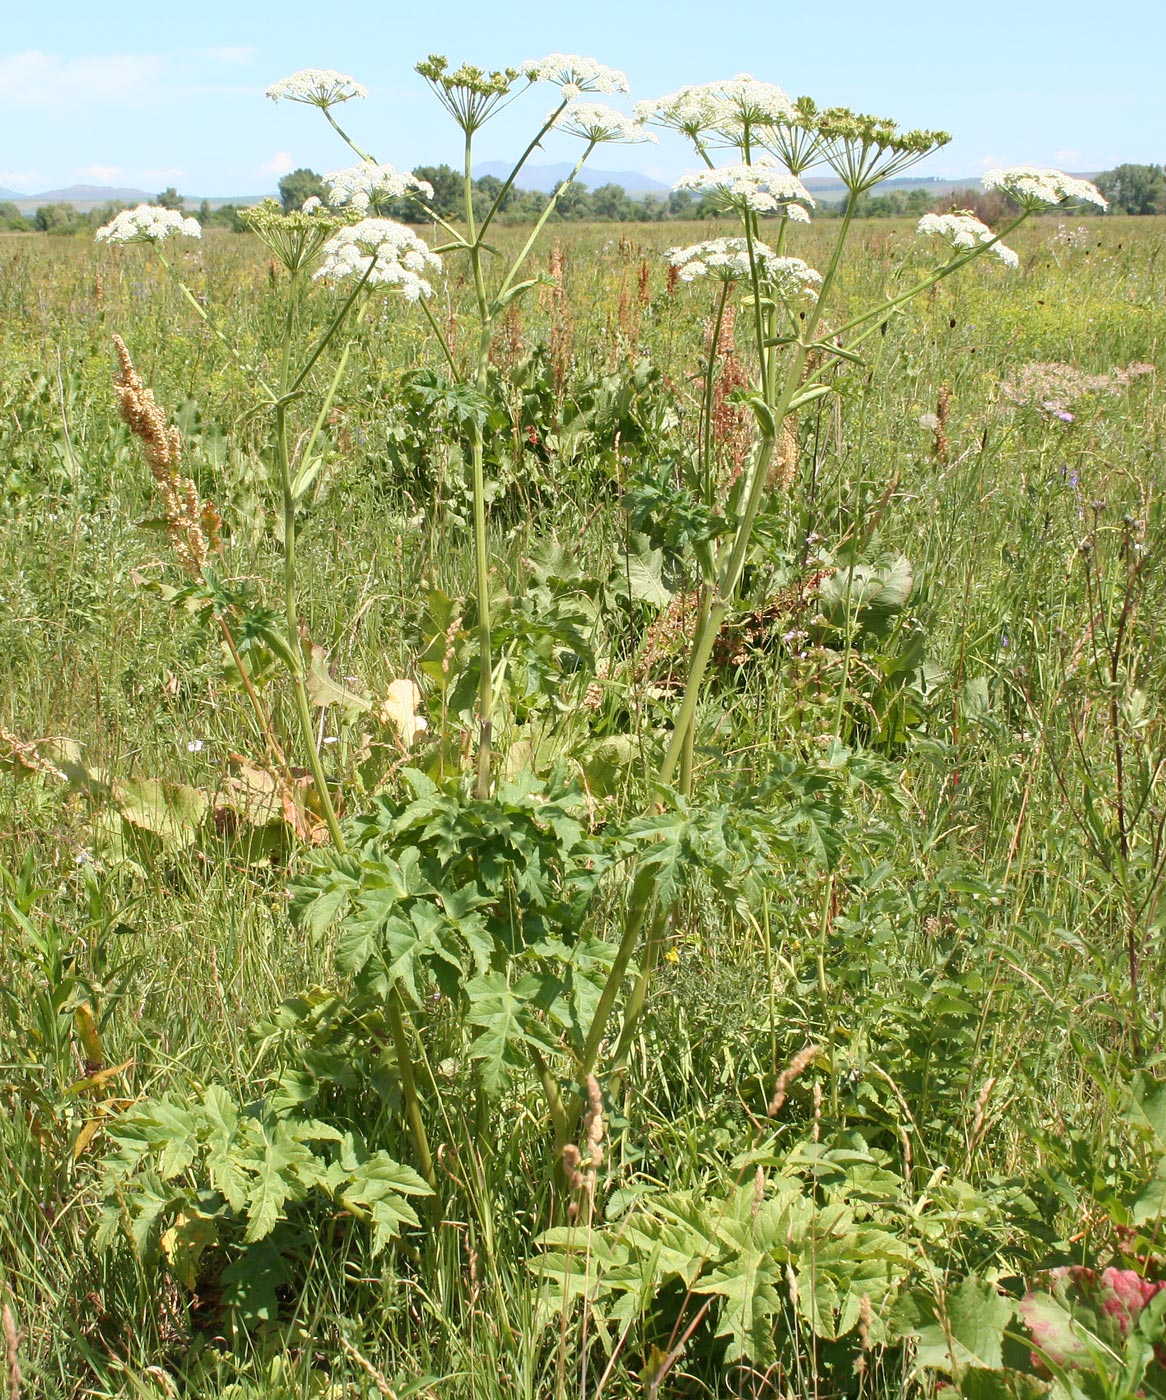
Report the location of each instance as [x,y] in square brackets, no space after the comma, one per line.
[151,95]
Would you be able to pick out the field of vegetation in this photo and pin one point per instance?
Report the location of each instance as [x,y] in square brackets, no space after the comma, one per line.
[796,1033]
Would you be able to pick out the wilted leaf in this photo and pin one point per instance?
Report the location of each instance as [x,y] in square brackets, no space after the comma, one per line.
[399,709]
[183,1245]
[171,811]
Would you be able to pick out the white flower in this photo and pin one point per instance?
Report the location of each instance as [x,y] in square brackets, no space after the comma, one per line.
[311,204]
[796,214]
[359,185]
[318,87]
[572,71]
[595,122]
[793,278]
[726,109]
[965,231]
[194,746]
[396,256]
[727,260]
[764,187]
[148,223]
[1036,188]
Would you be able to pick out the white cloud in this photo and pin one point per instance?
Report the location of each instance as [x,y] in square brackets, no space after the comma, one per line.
[101,172]
[279,164]
[52,82]
[21,179]
[49,82]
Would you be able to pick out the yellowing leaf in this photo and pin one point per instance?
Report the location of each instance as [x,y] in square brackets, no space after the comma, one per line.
[183,1245]
[399,709]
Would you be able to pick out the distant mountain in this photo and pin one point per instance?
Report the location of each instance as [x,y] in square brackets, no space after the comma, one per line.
[91,194]
[545,177]
[9,194]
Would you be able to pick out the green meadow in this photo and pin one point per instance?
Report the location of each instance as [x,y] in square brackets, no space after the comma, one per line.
[876,1102]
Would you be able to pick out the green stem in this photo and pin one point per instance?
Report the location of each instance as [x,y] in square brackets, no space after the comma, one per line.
[706,480]
[201,311]
[552,204]
[441,338]
[522,159]
[404,1055]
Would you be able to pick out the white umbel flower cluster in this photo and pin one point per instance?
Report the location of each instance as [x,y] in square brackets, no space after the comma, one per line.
[764,187]
[359,185]
[148,223]
[793,278]
[727,260]
[595,122]
[318,87]
[1036,188]
[964,231]
[796,214]
[575,74]
[394,253]
[725,109]
[724,259]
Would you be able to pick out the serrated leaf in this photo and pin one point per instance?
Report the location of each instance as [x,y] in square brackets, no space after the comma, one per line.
[748,1284]
[977,1318]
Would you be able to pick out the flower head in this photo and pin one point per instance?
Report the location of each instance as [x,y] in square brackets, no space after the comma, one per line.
[727,260]
[963,231]
[575,74]
[595,122]
[724,259]
[723,113]
[793,278]
[364,184]
[318,87]
[797,214]
[862,150]
[470,94]
[1036,188]
[763,187]
[385,252]
[148,223]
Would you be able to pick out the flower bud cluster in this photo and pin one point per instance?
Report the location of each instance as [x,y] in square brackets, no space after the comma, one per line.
[148,223]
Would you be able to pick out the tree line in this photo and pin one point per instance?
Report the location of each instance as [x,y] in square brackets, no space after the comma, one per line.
[1130,189]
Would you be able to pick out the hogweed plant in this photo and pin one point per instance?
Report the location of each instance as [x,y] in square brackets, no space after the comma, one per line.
[489,893]
[472,97]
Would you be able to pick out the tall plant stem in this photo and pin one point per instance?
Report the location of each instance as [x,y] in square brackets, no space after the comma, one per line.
[403,1051]
[728,578]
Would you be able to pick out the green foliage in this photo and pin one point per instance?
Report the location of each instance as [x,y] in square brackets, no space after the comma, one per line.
[214,1186]
[1134,189]
[299,185]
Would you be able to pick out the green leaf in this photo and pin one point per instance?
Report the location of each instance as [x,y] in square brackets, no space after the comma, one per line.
[977,1317]
[171,811]
[749,1285]
[644,578]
